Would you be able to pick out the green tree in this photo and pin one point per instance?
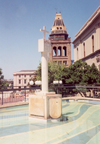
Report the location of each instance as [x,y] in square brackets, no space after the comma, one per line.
[91,75]
[55,72]
[80,73]
[38,77]
[2,83]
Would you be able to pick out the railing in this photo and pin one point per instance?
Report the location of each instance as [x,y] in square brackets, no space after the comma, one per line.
[22,95]
[83,91]
[16,95]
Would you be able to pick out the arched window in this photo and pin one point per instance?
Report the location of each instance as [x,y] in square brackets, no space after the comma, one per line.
[59,51]
[92,43]
[54,51]
[84,48]
[64,51]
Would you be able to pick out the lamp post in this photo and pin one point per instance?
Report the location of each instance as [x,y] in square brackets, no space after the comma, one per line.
[57,83]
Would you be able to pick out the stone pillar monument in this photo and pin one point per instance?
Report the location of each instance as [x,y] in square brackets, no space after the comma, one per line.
[44,59]
[45,105]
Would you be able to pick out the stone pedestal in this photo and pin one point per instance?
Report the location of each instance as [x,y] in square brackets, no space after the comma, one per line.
[45,105]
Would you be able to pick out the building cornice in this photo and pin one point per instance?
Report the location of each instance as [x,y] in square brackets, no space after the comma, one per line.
[25,72]
[90,55]
[61,41]
[88,23]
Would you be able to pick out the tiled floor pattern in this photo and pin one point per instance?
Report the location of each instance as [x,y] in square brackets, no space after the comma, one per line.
[82,126]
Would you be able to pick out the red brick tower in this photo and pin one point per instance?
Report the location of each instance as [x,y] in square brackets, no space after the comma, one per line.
[60,42]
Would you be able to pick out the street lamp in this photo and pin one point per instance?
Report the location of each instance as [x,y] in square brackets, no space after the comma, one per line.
[57,82]
[38,82]
[31,82]
[60,82]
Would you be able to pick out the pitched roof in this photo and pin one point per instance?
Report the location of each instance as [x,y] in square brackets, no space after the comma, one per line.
[25,72]
[58,26]
[87,24]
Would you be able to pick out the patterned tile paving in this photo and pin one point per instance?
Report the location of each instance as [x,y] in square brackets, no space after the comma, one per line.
[82,126]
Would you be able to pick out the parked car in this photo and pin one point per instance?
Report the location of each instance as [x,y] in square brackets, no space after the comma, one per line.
[18,95]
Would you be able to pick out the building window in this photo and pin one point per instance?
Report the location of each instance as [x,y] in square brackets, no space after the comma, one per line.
[19,81]
[84,48]
[24,81]
[93,43]
[65,37]
[19,75]
[59,62]
[77,53]
[98,58]
[65,62]
[24,75]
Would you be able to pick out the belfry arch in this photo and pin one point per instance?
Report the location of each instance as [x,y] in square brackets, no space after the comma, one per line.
[54,51]
[64,51]
[59,51]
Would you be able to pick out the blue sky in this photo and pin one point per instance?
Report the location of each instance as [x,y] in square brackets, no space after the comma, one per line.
[20,24]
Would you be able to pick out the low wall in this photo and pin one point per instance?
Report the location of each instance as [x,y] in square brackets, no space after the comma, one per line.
[80,98]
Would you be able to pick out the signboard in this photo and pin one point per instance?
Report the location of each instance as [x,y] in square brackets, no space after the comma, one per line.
[44,45]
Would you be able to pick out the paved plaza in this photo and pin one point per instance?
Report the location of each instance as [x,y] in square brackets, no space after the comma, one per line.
[80,125]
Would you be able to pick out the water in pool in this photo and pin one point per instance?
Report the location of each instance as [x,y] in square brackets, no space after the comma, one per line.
[80,125]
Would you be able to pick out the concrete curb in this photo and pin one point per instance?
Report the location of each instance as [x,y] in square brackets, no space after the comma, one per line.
[13,104]
[80,98]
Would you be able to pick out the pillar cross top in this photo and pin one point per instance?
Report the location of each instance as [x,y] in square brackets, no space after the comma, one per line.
[44,32]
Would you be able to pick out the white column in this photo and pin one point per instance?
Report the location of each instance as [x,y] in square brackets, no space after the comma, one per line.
[44,48]
[44,71]
[46,110]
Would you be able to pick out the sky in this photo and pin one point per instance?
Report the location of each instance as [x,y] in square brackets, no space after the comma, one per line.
[20,24]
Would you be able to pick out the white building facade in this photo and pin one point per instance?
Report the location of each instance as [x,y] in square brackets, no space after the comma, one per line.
[22,78]
[87,40]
